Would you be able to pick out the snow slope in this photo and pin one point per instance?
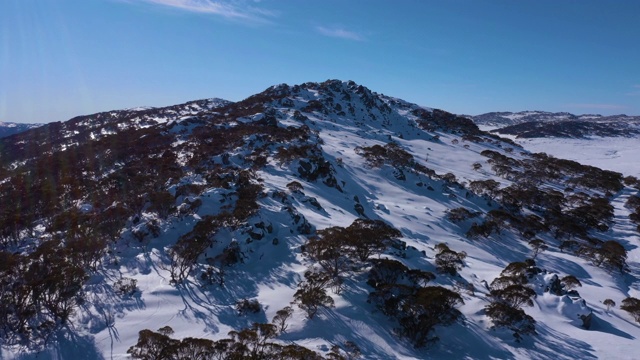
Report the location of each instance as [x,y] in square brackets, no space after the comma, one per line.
[611,153]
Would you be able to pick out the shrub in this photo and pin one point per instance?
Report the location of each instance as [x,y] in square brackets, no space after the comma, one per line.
[633,202]
[184,254]
[570,282]
[216,271]
[350,350]
[152,345]
[295,186]
[449,261]
[329,250]
[247,343]
[245,306]
[281,318]
[162,202]
[449,178]
[290,153]
[484,229]
[609,303]
[460,214]
[311,295]
[484,187]
[632,306]
[427,307]
[401,293]
[387,272]
[247,193]
[519,270]
[335,248]
[502,282]
[538,246]
[391,153]
[609,253]
[514,295]
[367,237]
[514,319]
[125,286]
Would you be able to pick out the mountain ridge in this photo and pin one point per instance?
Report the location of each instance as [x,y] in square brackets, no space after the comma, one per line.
[539,124]
[10,128]
[197,221]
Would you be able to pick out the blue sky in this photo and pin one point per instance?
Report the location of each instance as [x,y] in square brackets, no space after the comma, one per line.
[62,58]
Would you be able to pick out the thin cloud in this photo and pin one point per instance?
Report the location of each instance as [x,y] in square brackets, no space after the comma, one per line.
[598,106]
[234,10]
[634,92]
[339,33]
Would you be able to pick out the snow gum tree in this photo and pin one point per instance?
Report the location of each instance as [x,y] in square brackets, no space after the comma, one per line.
[509,294]
[632,306]
[609,303]
[449,261]
[312,295]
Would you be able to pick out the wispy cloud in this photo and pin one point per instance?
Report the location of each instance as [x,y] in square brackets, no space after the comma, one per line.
[597,106]
[234,10]
[340,32]
[635,91]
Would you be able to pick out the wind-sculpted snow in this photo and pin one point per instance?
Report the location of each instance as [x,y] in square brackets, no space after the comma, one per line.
[213,222]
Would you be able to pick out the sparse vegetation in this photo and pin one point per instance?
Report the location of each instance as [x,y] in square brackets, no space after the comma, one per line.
[448,261]
[510,293]
[460,214]
[401,294]
[126,286]
[609,303]
[186,201]
[632,306]
[281,318]
[537,246]
[246,306]
[311,295]
[248,343]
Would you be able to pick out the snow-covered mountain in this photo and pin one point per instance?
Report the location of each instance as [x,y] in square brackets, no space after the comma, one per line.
[539,124]
[308,221]
[56,136]
[607,142]
[9,128]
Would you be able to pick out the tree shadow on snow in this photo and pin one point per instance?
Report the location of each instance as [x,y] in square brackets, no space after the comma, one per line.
[564,266]
[67,345]
[338,327]
[505,246]
[198,305]
[600,325]
[215,305]
[554,345]
[467,341]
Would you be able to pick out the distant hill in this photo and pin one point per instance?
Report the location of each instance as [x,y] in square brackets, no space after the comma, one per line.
[81,129]
[9,128]
[537,124]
